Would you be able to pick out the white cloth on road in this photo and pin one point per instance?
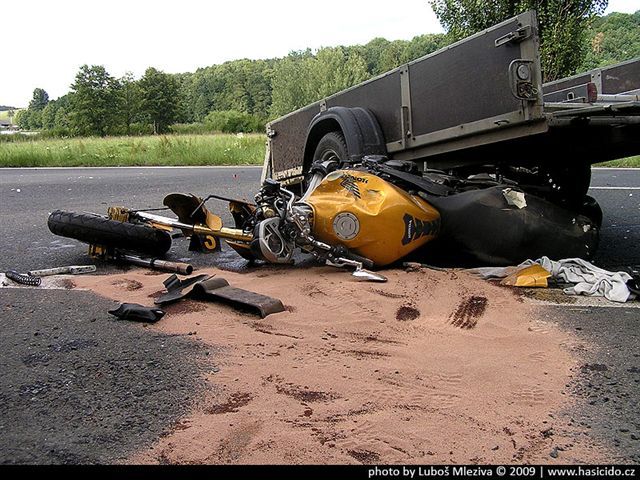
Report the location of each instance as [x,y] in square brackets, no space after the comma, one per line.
[586,277]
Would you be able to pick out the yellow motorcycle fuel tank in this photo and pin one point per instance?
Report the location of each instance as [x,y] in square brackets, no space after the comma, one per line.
[370,216]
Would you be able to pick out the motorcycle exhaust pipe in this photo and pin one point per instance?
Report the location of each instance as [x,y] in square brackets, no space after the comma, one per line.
[223,232]
[157,264]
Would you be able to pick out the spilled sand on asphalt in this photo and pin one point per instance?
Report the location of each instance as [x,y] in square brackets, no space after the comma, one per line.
[430,367]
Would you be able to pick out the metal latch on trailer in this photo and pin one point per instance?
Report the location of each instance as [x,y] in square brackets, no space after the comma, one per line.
[516,36]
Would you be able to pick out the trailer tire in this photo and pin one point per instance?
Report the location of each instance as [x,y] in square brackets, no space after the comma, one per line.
[332,146]
[98,230]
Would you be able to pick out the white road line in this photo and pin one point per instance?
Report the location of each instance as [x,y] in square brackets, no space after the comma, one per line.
[614,188]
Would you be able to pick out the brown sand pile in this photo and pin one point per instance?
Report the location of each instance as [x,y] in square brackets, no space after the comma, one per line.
[431,367]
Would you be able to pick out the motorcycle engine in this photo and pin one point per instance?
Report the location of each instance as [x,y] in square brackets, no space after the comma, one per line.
[281,224]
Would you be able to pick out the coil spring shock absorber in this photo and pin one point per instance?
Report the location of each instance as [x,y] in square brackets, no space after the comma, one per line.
[23,279]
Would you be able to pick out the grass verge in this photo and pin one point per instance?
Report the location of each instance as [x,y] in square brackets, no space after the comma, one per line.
[163,150]
[176,150]
[629,162]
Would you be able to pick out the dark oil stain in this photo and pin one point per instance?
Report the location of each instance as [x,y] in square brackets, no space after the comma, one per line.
[354,412]
[236,401]
[365,354]
[365,456]
[407,313]
[387,294]
[468,311]
[303,394]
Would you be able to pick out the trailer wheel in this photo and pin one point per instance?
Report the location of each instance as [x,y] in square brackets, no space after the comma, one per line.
[95,229]
[331,147]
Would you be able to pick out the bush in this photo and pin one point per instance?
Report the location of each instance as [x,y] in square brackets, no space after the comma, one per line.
[232,121]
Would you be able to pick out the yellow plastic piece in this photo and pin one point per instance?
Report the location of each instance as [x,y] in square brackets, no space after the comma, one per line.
[531,276]
[370,216]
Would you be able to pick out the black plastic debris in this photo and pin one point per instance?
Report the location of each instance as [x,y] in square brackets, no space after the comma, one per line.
[219,289]
[206,287]
[177,289]
[138,313]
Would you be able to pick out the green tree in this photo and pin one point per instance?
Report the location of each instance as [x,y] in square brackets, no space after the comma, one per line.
[372,53]
[302,78]
[62,120]
[39,100]
[22,119]
[423,45]
[612,39]
[130,101]
[49,115]
[94,103]
[159,94]
[290,76]
[562,25]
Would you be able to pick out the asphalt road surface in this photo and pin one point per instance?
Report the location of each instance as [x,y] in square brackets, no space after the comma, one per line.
[27,196]
[77,386]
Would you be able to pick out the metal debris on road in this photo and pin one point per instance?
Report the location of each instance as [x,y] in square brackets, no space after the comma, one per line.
[23,279]
[69,270]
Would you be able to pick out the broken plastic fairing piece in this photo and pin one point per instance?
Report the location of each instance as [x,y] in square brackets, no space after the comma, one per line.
[140,313]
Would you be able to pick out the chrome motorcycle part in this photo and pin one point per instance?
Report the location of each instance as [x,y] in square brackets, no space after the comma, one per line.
[359,272]
[346,226]
[274,248]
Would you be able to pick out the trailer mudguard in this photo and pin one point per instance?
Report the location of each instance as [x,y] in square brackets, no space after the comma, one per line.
[359,126]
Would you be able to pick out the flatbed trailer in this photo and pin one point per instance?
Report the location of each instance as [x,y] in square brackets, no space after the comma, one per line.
[477,106]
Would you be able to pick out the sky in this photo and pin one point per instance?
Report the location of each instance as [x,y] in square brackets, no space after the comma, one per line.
[46,41]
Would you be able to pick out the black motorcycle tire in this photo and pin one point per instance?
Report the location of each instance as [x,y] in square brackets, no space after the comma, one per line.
[98,230]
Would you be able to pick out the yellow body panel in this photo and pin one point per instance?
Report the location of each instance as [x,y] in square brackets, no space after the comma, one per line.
[370,216]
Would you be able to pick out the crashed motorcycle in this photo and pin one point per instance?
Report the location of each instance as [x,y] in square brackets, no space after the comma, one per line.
[361,216]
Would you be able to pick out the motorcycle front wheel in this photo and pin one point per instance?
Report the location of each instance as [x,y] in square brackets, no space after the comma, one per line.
[99,230]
